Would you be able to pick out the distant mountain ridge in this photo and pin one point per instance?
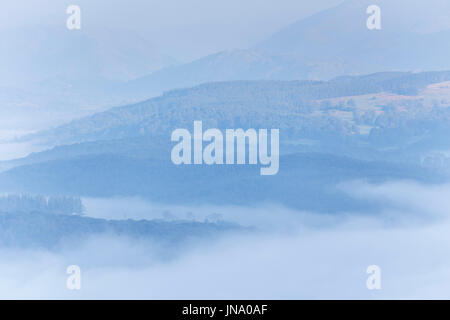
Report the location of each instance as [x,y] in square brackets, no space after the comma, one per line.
[77,74]
[331,43]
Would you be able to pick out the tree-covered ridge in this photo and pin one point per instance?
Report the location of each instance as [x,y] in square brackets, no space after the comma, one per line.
[52,230]
[293,106]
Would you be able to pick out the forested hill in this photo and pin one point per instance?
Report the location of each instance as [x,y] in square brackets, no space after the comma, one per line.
[266,104]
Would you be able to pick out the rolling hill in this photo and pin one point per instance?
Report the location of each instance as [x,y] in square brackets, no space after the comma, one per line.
[299,108]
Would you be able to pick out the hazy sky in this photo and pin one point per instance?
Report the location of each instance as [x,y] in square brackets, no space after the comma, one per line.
[182,29]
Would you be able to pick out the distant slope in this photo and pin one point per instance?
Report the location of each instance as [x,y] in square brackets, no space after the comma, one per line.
[334,42]
[50,75]
[51,53]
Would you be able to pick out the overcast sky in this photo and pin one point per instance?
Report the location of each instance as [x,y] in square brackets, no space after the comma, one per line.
[182,29]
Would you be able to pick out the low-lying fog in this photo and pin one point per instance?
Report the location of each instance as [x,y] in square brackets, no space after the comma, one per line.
[290,255]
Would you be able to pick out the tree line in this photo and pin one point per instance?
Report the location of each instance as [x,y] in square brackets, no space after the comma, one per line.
[24,203]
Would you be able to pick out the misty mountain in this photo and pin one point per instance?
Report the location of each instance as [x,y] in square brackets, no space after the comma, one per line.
[331,43]
[376,128]
[74,74]
[396,116]
[89,54]
[51,74]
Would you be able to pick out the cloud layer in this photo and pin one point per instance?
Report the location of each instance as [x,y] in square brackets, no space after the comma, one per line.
[307,256]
